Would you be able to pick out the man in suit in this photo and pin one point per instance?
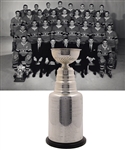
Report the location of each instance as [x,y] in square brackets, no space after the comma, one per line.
[89,57]
[38,59]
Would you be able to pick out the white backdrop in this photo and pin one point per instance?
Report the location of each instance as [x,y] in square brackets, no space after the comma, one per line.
[24,120]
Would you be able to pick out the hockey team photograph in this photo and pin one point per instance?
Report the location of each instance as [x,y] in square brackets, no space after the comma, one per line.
[30,30]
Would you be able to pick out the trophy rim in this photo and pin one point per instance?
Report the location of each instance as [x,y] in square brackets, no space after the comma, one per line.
[77,49]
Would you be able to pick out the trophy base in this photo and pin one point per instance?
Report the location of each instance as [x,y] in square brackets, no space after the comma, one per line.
[66,145]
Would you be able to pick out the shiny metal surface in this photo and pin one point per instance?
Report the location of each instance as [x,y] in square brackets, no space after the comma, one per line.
[65,103]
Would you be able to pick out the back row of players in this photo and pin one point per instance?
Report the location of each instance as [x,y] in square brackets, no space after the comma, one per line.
[61,27]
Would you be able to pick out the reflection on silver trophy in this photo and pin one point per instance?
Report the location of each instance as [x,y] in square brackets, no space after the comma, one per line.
[65,104]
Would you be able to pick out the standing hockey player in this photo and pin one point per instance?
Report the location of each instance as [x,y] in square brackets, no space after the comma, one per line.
[59,8]
[24,11]
[65,18]
[15,23]
[35,11]
[82,10]
[47,10]
[98,33]
[28,19]
[33,33]
[40,18]
[112,38]
[70,10]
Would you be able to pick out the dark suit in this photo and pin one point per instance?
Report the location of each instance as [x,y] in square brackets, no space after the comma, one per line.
[89,51]
[38,53]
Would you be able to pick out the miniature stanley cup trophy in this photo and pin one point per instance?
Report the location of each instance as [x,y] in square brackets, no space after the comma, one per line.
[65,104]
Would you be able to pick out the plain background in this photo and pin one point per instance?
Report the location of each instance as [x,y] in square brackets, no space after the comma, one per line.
[24,120]
[116,8]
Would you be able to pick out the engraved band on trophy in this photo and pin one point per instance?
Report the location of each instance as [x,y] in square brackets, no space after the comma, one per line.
[65,104]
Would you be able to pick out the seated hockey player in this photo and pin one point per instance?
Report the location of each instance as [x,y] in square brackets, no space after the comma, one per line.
[89,57]
[89,19]
[17,38]
[35,11]
[105,58]
[40,18]
[77,18]
[47,10]
[33,33]
[15,23]
[65,18]
[24,11]
[98,33]
[23,53]
[70,10]
[38,61]
[28,19]
[82,10]
[98,18]
[107,19]
[58,35]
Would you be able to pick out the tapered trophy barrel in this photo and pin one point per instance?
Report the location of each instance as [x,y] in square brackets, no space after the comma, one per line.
[65,104]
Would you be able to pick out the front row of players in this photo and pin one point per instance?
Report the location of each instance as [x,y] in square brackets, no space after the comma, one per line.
[38,56]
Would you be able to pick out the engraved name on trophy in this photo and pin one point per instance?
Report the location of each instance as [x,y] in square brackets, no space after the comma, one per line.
[65,104]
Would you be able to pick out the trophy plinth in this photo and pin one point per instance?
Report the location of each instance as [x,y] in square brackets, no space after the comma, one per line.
[65,104]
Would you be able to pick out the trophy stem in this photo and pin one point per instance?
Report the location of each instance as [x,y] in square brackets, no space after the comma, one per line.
[65,80]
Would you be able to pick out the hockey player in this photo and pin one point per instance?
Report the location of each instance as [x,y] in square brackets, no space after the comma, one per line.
[58,32]
[89,19]
[65,18]
[47,11]
[33,33]
[112,38]
[40,18]
[45,32]
[107,19]
[102,11]
[85,33]
[98,18]
[77,18]
[105,58]
[72,35]
[35,11]
[23,52]
[91,10]
[98,33]
[70,10]
[52,19]
[82,10]
[28,19]
[17,38]
[24,11]
[15,23]
[59,8]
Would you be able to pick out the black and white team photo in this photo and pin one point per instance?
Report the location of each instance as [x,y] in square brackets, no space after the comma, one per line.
[34,28]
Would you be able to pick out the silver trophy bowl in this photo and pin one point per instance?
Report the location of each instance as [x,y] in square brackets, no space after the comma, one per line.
[65,104]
